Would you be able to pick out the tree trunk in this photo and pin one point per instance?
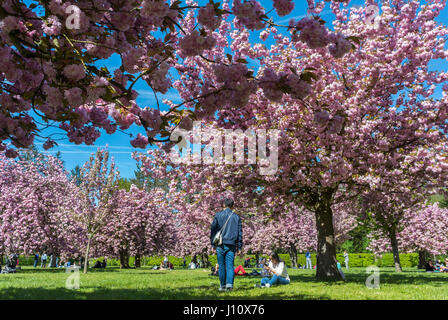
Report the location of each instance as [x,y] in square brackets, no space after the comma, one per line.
[86,258]
[394,244]
[326,269]
[293,256]
[53,261]
[138,263]
[205,261]
[124,259]
[422,258]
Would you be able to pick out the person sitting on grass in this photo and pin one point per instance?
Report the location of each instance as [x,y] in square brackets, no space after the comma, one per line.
[277,268]
[167,266]
[240,269]
[338,264]
[97,264]
[444,268]
[429,266]
[438,265]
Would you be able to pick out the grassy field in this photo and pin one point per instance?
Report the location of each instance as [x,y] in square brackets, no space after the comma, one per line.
[144,283]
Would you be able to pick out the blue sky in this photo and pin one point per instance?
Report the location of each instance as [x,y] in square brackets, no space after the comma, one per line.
[119,143]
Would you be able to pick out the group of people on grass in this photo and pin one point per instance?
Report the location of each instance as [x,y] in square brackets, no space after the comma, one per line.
[59,263]
[437,267]
[164,265]
[100,264]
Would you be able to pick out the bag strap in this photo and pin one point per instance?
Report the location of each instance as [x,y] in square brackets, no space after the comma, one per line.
[226,222]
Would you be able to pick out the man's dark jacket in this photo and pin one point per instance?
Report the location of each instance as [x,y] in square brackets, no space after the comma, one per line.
[233,233]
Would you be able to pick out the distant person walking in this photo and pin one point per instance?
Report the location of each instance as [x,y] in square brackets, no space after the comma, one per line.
[43,260]
[226,236]
[36,259]
[346,259]
[309,264]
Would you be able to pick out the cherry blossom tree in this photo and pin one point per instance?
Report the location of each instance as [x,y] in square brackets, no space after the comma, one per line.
[402,190]
[97,198]
[141,225]
[52,73]
[34,196]
[422,229]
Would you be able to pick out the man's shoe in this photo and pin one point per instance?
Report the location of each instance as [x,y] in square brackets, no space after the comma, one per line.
[221,289]
[267,285]
[229,289]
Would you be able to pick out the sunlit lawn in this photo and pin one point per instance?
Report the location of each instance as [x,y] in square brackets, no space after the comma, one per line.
[144,283]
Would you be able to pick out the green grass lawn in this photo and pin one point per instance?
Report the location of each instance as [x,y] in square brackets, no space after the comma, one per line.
[144,283]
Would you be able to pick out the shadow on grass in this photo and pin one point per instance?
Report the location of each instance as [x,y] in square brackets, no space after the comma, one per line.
[178,293]
[200,286]
[408,277]
[413,277]
[63,270]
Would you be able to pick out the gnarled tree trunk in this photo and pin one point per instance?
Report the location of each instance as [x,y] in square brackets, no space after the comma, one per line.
[86,257]
[326,269]
[205,261]
[422,258]
[138,261]
[124,259]
[293,255]
[394,244]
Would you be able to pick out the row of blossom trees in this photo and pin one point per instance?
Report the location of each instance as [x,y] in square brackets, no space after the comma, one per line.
[43,209]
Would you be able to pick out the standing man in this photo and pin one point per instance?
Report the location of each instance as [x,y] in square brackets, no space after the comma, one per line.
[229,223]
[36,259]
[309,265]
[346,259]
[50,264]
[43,260]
